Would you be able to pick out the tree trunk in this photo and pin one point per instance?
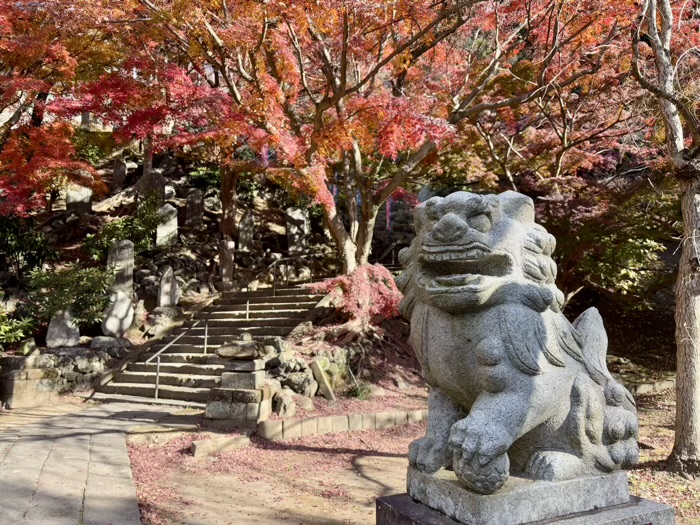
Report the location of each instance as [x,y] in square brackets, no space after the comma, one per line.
[38,111]
[347,249]
[366,234]
[686,449]
[229,201]
[147,156]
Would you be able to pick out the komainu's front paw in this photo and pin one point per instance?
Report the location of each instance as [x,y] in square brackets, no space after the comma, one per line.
[429,454]
[479,454]
[482,479]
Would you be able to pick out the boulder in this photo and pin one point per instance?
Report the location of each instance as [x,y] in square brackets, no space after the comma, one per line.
[283,403]
[238,350]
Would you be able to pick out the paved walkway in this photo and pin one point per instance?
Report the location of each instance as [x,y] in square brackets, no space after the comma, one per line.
[72,469]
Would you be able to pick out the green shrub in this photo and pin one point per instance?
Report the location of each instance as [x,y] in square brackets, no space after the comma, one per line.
[139,228]
[14,330]
[205,178]
[83,291]
[22,246]
[361,390]
[93,146]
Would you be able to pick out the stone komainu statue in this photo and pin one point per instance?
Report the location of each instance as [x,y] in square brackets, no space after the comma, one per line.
[515,387]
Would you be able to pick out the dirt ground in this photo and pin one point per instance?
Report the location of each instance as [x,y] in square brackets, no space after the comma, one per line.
[334,479]
[331,479]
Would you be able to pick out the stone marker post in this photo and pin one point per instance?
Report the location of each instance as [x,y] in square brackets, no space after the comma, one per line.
[168,289]
[246,232]
[166,233]
[195,208]
[151,182]
[120,312]
[119,171]
[79,200]
[525,422]
[298,229]
[121,256]
[62,331]
[226,261]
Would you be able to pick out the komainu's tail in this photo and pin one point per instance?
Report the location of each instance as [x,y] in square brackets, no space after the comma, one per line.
[618,440]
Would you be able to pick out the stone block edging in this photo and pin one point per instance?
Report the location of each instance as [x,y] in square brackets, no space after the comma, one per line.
[284,429]
[637,389]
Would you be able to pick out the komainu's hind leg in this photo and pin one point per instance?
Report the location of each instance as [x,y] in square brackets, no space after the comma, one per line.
[431,452]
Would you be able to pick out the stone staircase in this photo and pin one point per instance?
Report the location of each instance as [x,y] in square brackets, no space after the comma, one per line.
[188,370]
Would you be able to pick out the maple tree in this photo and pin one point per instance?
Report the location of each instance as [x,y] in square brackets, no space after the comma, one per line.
[355,98]
[666,58]
[44,47]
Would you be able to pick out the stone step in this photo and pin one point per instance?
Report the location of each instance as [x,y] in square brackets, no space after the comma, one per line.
[269,307]
[226,329]
[178,368]
[287,299]
[178,348]
[217,326]
[164,391]
[239,312]
[192,357]
[181,380]
[124,398]
[265,292]
[232,334]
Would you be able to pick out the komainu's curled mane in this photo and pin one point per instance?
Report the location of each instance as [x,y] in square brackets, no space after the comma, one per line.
[515,387]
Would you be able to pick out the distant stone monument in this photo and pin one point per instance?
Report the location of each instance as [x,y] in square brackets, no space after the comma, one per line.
[119,171]
[79,200]
[168,289]
[298,229]
[120,312]
[62,331]
[525,422]
[119,315]
[151,183]
[195,208]
[246,232]
[226,261]
[121,257]
[166,232]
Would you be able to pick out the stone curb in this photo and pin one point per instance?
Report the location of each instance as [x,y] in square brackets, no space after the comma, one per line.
[205,447]
[637,389]
[284,429]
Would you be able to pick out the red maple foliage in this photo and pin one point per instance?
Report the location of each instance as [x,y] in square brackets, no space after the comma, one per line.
[367,296]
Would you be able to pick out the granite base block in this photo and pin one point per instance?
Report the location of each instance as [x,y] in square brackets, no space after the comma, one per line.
[403,510]
[520,500]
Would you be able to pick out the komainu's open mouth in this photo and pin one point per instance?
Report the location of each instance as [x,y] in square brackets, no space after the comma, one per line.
[451,267]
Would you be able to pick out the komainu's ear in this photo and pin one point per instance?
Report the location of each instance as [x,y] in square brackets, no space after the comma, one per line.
[517,206]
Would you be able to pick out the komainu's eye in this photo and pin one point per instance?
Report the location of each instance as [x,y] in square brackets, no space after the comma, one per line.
[480,222]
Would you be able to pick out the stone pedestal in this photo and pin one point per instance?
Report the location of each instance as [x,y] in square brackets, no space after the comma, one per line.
[520,500]
[442,500]
[403,510]
[243,399]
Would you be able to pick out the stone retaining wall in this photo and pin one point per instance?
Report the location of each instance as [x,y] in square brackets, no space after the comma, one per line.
[284,429]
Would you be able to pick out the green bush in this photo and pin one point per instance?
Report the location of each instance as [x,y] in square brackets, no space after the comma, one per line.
[22,246]
[205,178]
[139,228]
[93,146]
[361,390]
[14,330]
[83,291]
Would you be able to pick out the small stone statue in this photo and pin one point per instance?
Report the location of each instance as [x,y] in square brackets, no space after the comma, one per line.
[515,388]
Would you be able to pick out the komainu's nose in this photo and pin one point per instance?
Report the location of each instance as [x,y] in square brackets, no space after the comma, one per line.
[449,228]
